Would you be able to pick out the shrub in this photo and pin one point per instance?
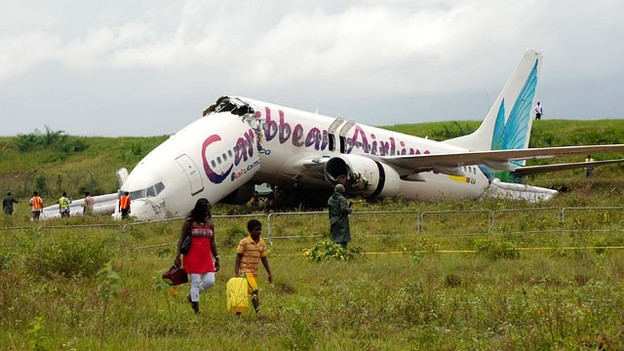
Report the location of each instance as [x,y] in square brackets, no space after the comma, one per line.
[73,256]
[325,250]
[231,236]
[495,249]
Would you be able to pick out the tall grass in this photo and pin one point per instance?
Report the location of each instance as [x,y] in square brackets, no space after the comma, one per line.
[498,291]
[455,286]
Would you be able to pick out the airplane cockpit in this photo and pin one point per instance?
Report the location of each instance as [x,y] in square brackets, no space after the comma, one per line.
[150,191]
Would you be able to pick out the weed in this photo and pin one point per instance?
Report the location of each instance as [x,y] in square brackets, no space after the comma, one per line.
[109,286]
[496,249]
[326,250]
[35,334]
[72,256]
[231,236]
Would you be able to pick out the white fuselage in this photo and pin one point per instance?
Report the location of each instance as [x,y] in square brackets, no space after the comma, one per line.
[219,153]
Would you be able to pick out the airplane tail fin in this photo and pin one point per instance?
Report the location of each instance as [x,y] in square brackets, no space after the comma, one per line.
[509,121]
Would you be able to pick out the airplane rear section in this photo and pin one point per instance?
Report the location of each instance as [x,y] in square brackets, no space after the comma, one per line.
[363,176]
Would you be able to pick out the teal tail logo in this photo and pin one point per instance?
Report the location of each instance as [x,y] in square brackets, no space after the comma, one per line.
[513,132]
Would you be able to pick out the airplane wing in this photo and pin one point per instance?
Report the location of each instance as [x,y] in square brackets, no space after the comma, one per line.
[528,170]
[496,159]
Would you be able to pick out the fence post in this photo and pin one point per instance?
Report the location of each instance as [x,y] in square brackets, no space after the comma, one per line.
[268,219]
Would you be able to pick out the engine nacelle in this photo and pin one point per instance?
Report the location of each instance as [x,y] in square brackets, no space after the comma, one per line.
[363,176]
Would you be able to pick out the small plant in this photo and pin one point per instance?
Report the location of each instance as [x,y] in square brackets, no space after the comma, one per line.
[452,280]
[35,336]
[109,286]
[325,250]
[495,249]
[161,286]
[231,236]
[5,260]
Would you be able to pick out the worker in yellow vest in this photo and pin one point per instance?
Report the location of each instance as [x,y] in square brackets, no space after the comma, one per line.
[63,203]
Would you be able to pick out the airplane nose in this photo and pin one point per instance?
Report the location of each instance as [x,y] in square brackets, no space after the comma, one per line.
[145,209]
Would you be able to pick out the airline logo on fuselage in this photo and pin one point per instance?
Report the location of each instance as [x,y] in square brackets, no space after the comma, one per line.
[313,138]
[319,139]
[243,150]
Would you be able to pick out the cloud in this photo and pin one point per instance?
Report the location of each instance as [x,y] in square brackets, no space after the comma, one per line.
[316,54]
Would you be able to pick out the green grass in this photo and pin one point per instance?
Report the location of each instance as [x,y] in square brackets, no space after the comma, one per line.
[452,287]
[421,298]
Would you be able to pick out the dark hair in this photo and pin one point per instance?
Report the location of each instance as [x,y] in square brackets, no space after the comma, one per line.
[201,210]
[252,224]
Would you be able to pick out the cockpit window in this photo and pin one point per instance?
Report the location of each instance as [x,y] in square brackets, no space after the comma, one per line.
[150,191]
[139,194]
[159,187]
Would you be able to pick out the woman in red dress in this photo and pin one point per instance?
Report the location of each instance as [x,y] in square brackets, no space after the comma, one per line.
[198,262]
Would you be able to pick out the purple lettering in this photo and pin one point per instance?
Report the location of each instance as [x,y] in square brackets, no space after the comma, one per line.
[354,139]
[284,128]
[270,126]
[297,135]
[212,175]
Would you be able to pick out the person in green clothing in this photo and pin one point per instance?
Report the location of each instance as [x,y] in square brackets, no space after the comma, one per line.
[339,216]
[7,203]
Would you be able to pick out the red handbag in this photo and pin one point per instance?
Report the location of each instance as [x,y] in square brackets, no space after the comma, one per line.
[175,276]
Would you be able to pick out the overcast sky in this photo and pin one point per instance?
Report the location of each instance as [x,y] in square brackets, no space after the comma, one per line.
[150,67]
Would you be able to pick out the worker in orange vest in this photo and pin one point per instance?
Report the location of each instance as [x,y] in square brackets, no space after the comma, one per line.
[124,205]
[37,206]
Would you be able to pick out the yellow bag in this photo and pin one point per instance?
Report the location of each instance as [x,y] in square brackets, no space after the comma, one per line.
[237,292]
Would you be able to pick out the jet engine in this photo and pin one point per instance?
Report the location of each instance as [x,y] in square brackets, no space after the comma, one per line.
[363,176]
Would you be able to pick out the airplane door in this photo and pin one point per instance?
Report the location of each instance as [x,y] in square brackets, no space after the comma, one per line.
[192,174]
[331,131]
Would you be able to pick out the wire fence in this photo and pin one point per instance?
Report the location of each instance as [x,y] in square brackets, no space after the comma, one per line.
[365,224]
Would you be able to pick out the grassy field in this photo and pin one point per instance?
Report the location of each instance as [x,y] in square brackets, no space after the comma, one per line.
[91,283]
[500,291]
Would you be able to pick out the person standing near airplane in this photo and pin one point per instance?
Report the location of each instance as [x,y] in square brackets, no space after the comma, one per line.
[249,253]
[88,204]
[339,216]
[124,205]
[37,206]
[538,110]
[198,261]
[589,170]
[7,203]
[64,203]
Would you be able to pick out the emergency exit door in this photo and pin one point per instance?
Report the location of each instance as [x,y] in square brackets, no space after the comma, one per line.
[192,173]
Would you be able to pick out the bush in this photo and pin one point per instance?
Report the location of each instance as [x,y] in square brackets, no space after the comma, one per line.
[73,256]
[325,250]
[231,236]
[495,249]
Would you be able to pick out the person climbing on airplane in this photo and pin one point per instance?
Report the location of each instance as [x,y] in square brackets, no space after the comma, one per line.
[538,110]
